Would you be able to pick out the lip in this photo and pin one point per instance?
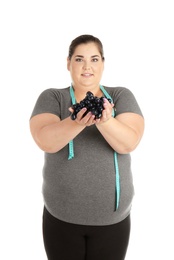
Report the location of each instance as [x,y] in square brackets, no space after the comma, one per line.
[87,75]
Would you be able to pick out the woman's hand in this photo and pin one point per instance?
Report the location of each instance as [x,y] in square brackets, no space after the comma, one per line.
[82,119]
[107,112]
[89,118]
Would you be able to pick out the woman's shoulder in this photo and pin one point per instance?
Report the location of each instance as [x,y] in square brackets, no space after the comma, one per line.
[118,90]
[124,100]
[55,91]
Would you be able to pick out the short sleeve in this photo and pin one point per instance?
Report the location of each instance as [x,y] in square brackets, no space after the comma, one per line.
[125,101]
[47,102]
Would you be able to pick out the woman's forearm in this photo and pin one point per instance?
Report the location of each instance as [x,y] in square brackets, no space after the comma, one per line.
[53,137]
[121,137]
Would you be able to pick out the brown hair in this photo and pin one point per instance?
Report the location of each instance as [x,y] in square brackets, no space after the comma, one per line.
[83,39]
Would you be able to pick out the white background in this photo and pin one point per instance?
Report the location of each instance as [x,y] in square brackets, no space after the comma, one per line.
[138,39]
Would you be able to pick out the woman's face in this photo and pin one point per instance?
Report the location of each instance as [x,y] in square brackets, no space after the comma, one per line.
[86,66]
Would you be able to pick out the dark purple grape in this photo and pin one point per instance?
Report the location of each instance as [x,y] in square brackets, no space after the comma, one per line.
[82,104]
[91,103]
[89,94]
[100,104]
[98,116]
[91,98]
[89,106]
[77,109]
[94,111]
[97,100]
[100,109]
[87,101]
[73,116]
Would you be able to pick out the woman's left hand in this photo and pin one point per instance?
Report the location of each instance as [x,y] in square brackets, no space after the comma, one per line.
[107,112]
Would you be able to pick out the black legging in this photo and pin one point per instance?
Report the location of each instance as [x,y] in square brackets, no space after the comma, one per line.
[65,241]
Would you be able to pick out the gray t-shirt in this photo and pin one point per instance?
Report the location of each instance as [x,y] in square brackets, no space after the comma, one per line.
[82,190]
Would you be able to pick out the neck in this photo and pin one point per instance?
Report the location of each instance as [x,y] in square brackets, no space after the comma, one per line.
[80,92]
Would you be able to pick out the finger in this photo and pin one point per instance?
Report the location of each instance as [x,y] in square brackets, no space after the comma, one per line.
[91,120]
[88,119]
[85,119]
[70,109]
[81,113]
[104,115]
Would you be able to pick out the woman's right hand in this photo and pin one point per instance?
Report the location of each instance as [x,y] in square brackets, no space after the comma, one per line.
[82,119]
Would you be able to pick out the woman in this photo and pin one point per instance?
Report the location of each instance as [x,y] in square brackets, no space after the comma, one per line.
[87,179]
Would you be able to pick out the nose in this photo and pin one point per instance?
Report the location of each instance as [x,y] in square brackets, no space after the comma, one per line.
[86,65]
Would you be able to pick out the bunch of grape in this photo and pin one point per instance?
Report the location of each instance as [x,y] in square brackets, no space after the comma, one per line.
[92,103]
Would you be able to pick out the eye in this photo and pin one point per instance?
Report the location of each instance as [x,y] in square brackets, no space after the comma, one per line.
[78,60]
[94,59]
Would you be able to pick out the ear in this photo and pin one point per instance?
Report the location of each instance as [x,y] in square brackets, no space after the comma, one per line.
[103,67]
[68,64]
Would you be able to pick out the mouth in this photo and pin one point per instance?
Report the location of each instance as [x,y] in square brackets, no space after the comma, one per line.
[87,75]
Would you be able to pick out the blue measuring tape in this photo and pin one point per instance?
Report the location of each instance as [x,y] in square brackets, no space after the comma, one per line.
[71,143]
[71,146]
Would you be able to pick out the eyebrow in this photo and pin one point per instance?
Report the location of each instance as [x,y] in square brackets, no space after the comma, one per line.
[81,56]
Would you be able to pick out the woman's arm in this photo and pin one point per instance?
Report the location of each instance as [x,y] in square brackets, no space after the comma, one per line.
[51,134]
[124,132]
